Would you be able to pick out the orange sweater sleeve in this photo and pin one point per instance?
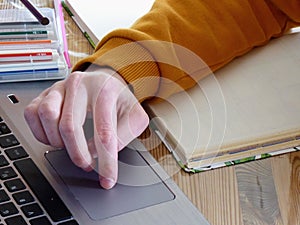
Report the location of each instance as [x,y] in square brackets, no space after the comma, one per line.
[158,50]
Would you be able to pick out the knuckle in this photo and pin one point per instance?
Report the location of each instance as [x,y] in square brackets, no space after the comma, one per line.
[29,112]
[105,133]
[73,79]
[106,90]
[66,127]
[110,90]
[45,111]
[57,85]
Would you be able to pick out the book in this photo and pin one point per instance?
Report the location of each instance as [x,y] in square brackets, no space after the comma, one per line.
[96,18]
[246,111]
[30,50]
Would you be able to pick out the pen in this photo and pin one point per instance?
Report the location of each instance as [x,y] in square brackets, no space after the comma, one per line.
[24,34]
[19,24]
[11,68]
[28,55]
[29,71]
[27,44]
[42,19]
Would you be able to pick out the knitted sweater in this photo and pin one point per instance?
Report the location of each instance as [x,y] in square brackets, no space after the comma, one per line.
[178,42]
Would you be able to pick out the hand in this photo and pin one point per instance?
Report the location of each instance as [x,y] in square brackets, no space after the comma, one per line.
[57,115]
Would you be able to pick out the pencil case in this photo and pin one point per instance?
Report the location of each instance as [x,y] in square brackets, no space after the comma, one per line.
[29,50]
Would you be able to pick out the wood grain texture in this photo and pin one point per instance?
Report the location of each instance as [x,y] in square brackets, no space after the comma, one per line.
[286,173]
[260,192]
[294,195]
[257,192]
[264,192]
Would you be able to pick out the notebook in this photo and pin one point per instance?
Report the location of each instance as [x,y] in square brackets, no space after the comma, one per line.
[110,15]
[40,185]
[246,111]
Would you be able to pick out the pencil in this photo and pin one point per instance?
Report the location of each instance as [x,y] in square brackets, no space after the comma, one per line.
[30,6]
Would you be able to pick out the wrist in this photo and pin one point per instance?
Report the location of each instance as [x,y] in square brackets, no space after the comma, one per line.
[93,68]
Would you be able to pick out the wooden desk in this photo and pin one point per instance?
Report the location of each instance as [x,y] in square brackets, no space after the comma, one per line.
[265,192]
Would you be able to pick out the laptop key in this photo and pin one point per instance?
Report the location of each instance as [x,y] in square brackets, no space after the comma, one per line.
[44,192]
[16,153]
[3,196]
[8,141]
[8,209]
[17,220]
[4,129]
[14,185]
[32,210]
[7,173]
[40,221]
[23,197]
[3,161]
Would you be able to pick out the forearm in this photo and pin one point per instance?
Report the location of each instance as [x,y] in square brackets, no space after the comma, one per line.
[216,31]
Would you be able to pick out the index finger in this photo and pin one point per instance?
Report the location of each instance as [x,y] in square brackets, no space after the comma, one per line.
[105,138]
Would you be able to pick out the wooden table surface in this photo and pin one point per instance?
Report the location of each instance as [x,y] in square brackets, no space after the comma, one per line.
[264,192]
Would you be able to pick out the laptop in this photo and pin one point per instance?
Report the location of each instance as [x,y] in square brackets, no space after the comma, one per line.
[40,185]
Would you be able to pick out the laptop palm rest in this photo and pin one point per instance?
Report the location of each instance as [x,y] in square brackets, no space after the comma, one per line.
[138,185]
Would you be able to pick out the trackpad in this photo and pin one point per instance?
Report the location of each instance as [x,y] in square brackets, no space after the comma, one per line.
[138,185]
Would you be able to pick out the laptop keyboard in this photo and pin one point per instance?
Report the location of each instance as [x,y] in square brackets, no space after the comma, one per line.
[26,197]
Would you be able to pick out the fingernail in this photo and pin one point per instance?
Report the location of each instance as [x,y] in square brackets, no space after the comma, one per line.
[107,183]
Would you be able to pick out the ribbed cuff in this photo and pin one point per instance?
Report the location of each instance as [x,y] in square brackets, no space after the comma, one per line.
[131,60]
